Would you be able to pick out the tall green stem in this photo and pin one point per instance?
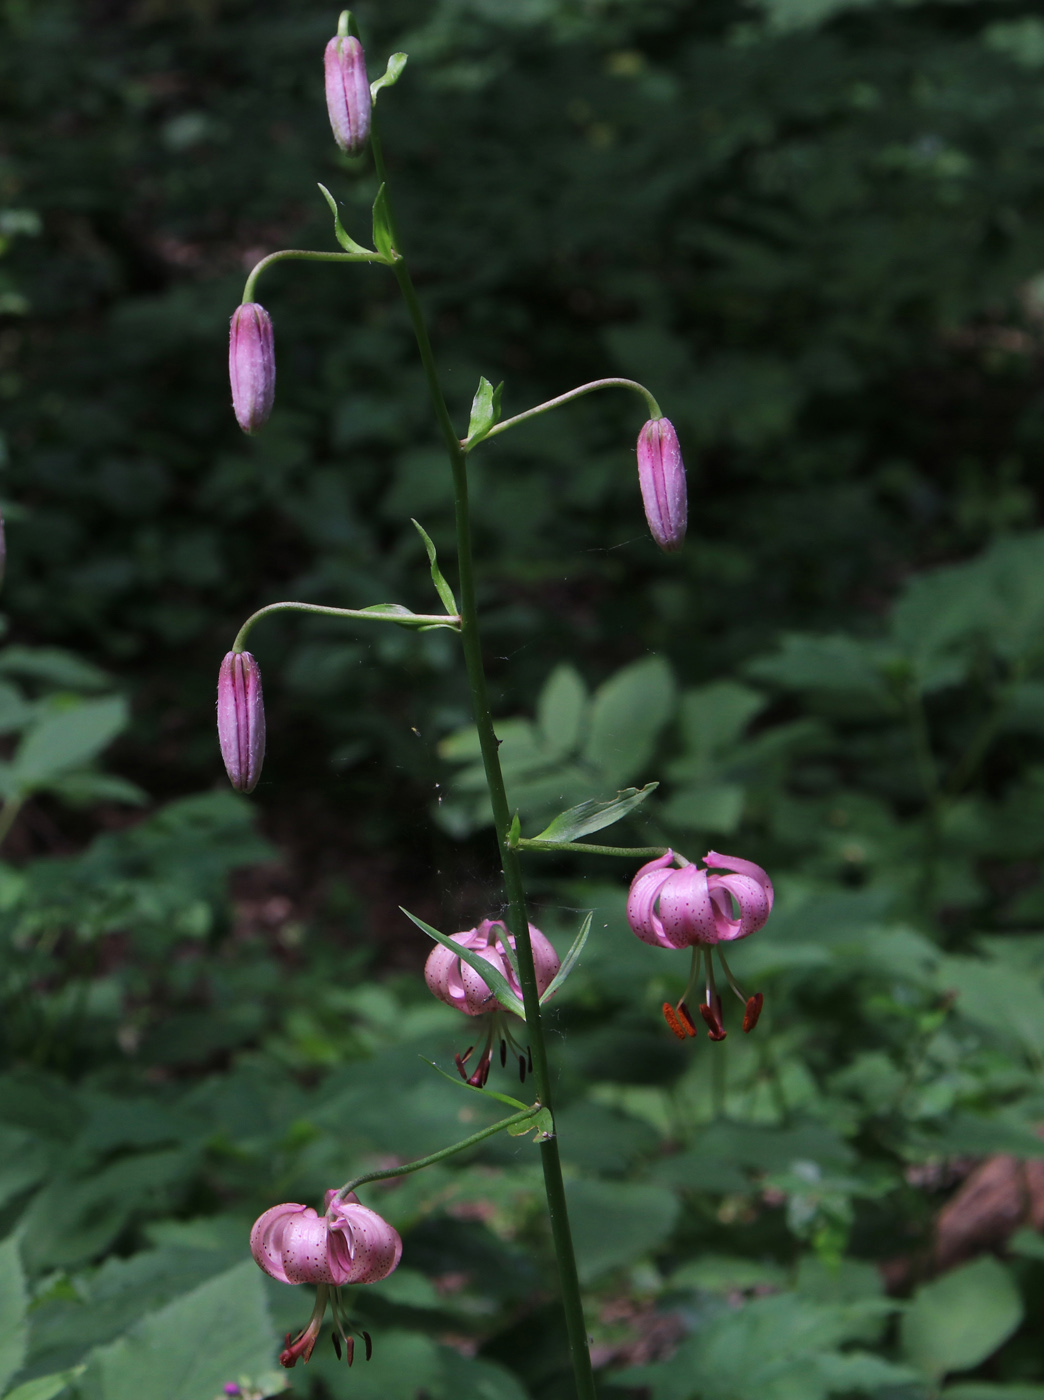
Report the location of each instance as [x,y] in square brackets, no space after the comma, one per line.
[518,919]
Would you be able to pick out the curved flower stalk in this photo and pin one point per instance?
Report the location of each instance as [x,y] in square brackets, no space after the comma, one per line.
[349,1244]
[701,910]
[461,986]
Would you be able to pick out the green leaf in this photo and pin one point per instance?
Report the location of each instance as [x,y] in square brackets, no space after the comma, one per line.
[442,588]
[390,76]
[594,814]
[615,1222]
[45,1387]
[382,235]
[191,1348]
[65,739]
[560,710]
[494,980]
[13,1304]
[485,412]
[542,1122]
[627,714]
[347,243]
[570,959]
[959,1320]
[57,668]
[516,1104]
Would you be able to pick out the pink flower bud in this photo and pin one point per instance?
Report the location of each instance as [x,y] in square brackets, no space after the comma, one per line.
[241,719]
[661,475]
[347,93]
[350,1244]
[251,365]
[453,981]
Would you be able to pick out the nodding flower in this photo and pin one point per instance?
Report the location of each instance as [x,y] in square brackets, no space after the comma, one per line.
[349,1244]
[701,909]
[456,983]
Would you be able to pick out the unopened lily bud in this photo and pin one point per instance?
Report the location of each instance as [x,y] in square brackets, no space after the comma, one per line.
[347,93]
[241,719]
[661,475]
[251,365]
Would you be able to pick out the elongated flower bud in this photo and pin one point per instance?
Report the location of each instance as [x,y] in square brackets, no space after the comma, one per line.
[251,365]
[661,475]
[241,719]
[347,93]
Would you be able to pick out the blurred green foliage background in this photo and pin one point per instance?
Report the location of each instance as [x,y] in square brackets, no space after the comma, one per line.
[816,229]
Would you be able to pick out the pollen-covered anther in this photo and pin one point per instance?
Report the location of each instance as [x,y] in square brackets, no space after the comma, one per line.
[715,1030]
[671,1017]
[686,1017]
[349,1349]
[753,1011]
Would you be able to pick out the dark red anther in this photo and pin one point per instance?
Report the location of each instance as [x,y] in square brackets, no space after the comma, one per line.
[671,1017]
[753,1011]
[685,1015]
[349,1349]
[369,1345]
[503,1053]
[481,1074]
[715,1030]
[336,1344]
[522,1069]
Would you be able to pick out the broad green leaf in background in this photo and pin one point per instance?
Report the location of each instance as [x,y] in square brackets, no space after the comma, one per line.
[193,1347]
[13,1304]
[67,738]
[627,714]
[45,1387]
[616,1222]
[957,1321]
[560,710]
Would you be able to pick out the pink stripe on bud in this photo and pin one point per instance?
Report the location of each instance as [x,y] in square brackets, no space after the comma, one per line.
[241,719]
[347,93]
[251,365]
[661,475]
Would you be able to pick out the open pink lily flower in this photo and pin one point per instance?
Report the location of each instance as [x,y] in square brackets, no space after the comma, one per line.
[349,1244]
[701,909]
[456,983]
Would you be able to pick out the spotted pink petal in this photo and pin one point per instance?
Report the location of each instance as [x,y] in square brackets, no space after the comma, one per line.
[755,905]
[686,910]
[641,901]
[714,860]
[364,1245]
[266,1239]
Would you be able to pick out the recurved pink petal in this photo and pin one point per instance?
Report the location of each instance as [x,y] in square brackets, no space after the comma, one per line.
[685,909]
[363,1246]
[754,901]
[266,1239]
[716,861]
[641,901]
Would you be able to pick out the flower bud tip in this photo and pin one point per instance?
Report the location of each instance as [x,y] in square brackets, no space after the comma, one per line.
[241,719]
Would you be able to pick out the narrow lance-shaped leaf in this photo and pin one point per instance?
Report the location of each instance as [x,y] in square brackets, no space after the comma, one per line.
[593,815]
[494,980]
[382,236]
[571,958]
[390,76]
[347,243]
[442,588]
[516,1104]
